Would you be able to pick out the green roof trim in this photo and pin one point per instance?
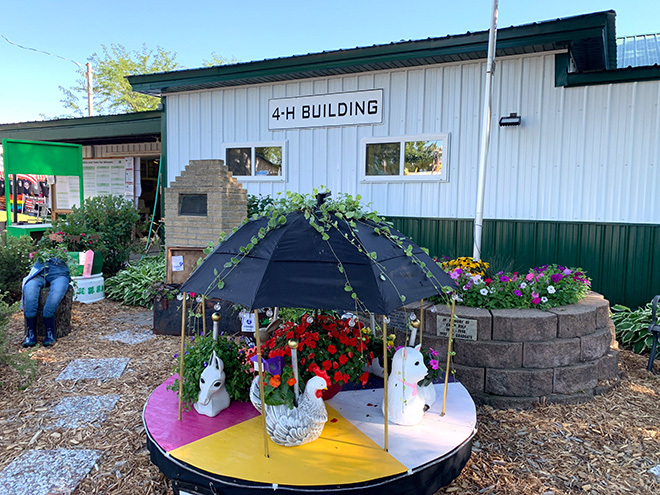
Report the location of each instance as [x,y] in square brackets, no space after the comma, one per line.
[614,76]
[590,38]
[102,129]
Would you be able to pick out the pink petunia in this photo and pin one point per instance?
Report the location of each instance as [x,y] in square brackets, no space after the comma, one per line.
[536,300]
[434,364]
[529,276]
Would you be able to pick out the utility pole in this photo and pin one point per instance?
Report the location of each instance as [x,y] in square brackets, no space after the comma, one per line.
[90,93]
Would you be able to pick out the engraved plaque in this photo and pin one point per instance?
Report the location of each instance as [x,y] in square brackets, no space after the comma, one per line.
[192,204]
[463,329]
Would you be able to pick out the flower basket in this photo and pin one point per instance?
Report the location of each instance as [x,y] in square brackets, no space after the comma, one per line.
[334,348]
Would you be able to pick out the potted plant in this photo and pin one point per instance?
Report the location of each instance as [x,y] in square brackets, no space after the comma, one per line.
[335,348]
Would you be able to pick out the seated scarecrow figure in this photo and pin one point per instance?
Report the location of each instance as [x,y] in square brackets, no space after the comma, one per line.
[50,269]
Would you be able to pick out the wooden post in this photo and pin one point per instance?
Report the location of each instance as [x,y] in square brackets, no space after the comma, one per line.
[385,398]
[261,382]
[183,337]
[203,315]
[449,340]
[421,321]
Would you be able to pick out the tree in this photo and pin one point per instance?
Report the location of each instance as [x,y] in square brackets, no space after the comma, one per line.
[112,92]
[218,60]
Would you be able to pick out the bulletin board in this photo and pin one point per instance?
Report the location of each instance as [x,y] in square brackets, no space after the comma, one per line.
[181,262]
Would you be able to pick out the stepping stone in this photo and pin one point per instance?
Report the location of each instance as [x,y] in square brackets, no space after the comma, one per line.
[44,472]
[129,337]
[141,319]
[94,369]
[80,412]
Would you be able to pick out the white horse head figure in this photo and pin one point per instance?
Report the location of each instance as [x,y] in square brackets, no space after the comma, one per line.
[213,396]
[406,404]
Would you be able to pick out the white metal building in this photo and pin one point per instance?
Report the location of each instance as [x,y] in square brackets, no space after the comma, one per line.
[565,185]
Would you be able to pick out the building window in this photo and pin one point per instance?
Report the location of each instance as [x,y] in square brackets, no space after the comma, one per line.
[260,161]
[406,158]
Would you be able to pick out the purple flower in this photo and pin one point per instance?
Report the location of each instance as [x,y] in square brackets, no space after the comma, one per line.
[176,355]
[434,364]
[504,278]
[434,353]
[205,364]
[517,293]
[556,277]
[536,300]
[567,271]
[455,274]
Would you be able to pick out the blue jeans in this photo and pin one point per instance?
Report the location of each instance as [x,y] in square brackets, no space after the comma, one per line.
[56,274]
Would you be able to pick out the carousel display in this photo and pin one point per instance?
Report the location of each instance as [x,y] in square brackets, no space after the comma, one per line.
[377,435]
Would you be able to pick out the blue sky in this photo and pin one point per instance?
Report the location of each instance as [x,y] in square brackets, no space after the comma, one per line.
[248,30]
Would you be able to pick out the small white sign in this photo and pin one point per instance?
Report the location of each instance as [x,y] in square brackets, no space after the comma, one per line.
[247,324]
[177,263]
[335,109]
[463,328]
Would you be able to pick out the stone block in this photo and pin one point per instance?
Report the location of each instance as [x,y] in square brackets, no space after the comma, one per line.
[519,382]
[596,345]
[523,325]
[614,344]
[608,366]
[482,316]
[574,379]
[574,320]
[577,398]
[473,379]
[600,305]
[500,402]
[551,353]
[488,353]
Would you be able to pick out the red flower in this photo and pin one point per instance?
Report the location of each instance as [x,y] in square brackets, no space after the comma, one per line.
[339,376]
[347,377]
[332,349]
[343,359]
[289,334]
[364,377]
[335,365]
[327,365]
[275,381]
[291,382]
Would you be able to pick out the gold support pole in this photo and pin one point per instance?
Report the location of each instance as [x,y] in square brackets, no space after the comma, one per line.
[261,382]
[449,341]
[203,315]
[385,398]
[421,321]
[183,338]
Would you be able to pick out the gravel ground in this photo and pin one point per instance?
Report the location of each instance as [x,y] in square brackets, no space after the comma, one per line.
[606,446]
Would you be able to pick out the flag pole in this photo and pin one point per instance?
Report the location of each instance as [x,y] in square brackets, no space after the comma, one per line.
[485,133]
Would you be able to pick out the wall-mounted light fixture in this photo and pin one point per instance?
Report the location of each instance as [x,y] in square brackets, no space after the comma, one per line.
[511,120]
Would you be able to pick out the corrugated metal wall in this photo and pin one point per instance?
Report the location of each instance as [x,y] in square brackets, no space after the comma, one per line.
[622,260]
[121,150]
[581,154]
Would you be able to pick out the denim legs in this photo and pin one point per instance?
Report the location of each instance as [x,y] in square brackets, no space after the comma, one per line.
[58,277]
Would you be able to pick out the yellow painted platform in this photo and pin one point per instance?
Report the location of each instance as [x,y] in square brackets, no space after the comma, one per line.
[343,454]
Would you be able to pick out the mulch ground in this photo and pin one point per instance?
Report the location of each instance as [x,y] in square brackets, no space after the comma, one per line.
[605,446]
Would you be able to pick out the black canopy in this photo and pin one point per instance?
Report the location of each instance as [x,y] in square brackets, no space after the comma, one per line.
[293,266]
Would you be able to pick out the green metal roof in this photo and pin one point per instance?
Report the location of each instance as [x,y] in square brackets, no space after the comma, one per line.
[589,38]
[103,129]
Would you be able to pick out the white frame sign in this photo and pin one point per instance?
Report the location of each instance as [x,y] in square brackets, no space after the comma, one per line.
[328,110]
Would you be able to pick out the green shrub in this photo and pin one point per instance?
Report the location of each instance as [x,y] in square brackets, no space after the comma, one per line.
[114,219]
[234,353]
[15,263]
[257,205]
[632,327]
[19,361]
[136,285]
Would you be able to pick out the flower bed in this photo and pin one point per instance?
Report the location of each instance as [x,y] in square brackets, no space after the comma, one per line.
[520,357]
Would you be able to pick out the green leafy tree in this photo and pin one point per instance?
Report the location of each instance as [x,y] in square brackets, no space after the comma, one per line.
[218,60]
[112,92]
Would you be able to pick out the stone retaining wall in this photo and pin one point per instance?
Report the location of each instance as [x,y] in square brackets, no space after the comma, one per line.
[524,356]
